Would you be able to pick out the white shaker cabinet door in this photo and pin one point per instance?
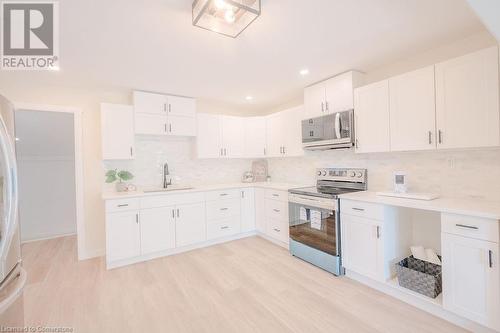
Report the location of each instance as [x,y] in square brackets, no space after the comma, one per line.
[233,137]
[260,210]
[145,102]
[117,129]
[275,134]
[413,110]
[181,106]
[247,209]
[209,136]
[181,126]
[190,225]
[362,246]
[150,124]
[123,238]
[471,279]
[371,113]
[157,229]
[255,137]
[314,101]
[467,101]
[292,132]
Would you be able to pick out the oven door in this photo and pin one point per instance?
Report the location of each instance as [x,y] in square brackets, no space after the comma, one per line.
[331,129]
[314,222]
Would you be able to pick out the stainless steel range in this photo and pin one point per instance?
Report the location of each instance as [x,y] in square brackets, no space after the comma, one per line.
[315,216]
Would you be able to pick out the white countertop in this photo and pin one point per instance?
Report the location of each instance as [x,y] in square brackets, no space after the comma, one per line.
[470,207]
[110,195]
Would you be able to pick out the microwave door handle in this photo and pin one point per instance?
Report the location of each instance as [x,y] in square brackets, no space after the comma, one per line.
[337,126]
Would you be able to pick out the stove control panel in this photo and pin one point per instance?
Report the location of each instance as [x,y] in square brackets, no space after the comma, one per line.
[342,175]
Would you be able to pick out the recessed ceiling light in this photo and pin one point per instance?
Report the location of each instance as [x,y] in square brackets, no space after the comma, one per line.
[304,71]
[17,139]
[249,98]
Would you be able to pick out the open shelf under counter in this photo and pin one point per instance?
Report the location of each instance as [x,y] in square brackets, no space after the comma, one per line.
[393,283]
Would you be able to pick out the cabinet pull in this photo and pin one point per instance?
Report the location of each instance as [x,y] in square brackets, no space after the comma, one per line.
[123,205]
[440,137]
[170,128]
[223,194]
[322,107]
[224,227]
[169,107]
[378,232]
[466,226]
[430,137]
[165,127]
[242,194]
[224,208]
[275,195]
[490,258]
[277,230]
[358,209]
[326,105]
[137,218]
[264,151]
[276,210]
[178,213]
[131,151]
[284,150]
[225,152]
[173,213]
[164,107]
[221,152]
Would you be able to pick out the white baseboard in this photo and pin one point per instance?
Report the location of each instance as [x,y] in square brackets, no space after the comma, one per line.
[272,240]
[47,237]
[92,254]
[129,261]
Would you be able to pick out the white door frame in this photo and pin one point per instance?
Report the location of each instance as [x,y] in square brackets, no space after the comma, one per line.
[77,119]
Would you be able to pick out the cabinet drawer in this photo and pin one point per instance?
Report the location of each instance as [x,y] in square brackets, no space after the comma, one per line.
[277,195]
[277,230]
[472,227]
[223,228]
[362,209]
[121,205]
[223,194]
[166,200]
[277,210]
[222,209]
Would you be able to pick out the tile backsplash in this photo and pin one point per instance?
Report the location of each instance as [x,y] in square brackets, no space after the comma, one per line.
[466,173]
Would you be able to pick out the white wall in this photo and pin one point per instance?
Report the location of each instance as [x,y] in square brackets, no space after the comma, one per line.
[45,155]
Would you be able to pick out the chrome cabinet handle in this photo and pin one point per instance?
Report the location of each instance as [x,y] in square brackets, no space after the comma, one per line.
[225,152]
[275,195]
[466,226]
[490,258]
[173,214]
[284,150]
[277,230]
[123,205]
[358,209]
[131,151]
[170,128]
[137,218]
[164,107]
[178,213]
[326,105]
[221,152]
[169,107]
[224,208]
[224,227]
[440,137]
[242,194]
[165,127]
[276,210]
[378,232]
[430,137]
[223,194]
[322,107]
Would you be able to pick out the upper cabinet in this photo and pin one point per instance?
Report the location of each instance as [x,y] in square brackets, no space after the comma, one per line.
[255,137]
[371,105]
[413,110]
[454,104]
[220,136]
[157,114]
[467,97]
[117,131]
[284,133]
[332,95]
[233,136]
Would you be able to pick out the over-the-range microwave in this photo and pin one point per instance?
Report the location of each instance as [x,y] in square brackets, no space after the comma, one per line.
[332,131]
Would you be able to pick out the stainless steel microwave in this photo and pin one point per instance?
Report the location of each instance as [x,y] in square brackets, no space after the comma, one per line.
[332,131]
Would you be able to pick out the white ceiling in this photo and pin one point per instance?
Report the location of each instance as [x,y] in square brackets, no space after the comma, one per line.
[151,45]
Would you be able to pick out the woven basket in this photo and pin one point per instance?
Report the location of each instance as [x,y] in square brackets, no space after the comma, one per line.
[420,276]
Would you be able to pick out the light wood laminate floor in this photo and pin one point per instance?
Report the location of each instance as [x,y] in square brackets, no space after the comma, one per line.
[248,285]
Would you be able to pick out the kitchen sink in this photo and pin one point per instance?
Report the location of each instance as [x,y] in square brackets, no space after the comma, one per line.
[168,189]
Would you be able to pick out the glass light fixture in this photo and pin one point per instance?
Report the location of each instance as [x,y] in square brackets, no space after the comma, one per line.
[226,17]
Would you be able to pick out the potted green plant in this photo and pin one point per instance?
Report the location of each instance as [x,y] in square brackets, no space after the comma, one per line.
[120,176]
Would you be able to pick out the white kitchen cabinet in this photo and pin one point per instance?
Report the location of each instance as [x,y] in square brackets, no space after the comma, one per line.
[467,100]
[149,124]
[247,209]
[260,210]
[362,246]
[255,141]
[371,104]
[181,106]
[190,224]
[181,126]
[412,111]
[284,133]
[332,95]
[117,131]
[209,139]
[157,229]
[471,279]
[233,137]
[123,238]
[145,102]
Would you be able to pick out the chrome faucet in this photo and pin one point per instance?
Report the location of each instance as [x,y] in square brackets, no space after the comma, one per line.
[166,173]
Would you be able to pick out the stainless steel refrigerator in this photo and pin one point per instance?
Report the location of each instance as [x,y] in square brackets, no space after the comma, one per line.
[12,275]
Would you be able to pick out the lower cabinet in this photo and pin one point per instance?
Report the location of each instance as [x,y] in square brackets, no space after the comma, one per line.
[223,228]
[157,229]
[190,224]
[362,246]
[276,215]
[248,209]
[123,235]
[471,279]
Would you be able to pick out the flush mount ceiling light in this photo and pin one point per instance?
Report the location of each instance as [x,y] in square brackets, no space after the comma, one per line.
[226,17]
